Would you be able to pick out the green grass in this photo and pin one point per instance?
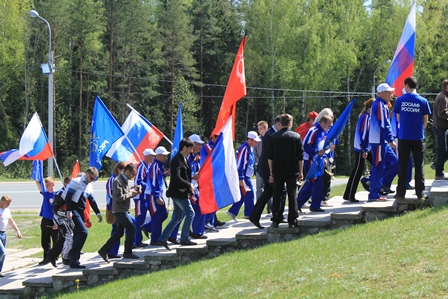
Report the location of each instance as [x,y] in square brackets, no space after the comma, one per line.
[402,257]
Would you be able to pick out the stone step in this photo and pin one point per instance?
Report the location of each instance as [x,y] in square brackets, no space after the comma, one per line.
[137,265]
[438,194]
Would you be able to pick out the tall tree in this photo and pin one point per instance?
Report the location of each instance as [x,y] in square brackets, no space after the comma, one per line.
[176,33]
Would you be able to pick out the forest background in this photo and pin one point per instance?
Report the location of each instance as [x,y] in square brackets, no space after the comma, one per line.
[300,56]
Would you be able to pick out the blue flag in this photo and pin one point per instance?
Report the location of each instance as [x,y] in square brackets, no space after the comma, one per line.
[37,173]
[317,168]
[104,132]
[178,133]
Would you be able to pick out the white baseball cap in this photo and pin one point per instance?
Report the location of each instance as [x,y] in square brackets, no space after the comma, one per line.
[384,87]
[161,151]
[195,138]
[148,152]
[253,135]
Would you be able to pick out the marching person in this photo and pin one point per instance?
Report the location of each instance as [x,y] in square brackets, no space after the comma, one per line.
[180,190]
[314,147]
[384,159]
[155,184]
[64,228]
[49,235]
[76,194]
[5,219]
[118,169]
[121,203]
[198,225]
[412,113]
[285,159]
[141,203]
[263,169]
[362,151]
[245,164]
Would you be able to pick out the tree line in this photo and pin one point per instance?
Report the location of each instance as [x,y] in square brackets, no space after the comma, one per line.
[300,56]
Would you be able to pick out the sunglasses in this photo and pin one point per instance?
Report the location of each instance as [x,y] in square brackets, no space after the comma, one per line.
[92,179]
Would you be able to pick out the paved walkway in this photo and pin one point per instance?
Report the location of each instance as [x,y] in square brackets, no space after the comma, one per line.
[19,267]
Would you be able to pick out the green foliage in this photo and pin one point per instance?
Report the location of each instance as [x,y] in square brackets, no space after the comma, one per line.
[300,56]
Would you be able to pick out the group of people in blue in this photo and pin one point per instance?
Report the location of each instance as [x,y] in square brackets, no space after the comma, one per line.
[376,134]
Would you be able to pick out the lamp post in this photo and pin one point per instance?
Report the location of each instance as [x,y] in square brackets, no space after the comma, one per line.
[374,76]
[35,14]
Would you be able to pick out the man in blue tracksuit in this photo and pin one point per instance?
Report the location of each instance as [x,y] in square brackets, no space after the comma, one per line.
[194,158]
[412,113]
[384,159]
[245,163]
[141,204]
[155,183]
[313,147]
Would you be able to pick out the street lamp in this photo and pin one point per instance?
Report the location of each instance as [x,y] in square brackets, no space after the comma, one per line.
[374,76]
[48,69]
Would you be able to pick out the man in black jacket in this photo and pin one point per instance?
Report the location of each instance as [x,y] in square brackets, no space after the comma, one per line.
[180,190]
[263,170]
[285,159]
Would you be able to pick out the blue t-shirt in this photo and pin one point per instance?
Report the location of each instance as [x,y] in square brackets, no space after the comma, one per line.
[46,210]
[411,108]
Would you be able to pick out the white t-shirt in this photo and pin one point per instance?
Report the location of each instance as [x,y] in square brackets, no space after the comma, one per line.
[5,214]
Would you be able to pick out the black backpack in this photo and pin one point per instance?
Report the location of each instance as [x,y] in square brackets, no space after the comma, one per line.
[58,201]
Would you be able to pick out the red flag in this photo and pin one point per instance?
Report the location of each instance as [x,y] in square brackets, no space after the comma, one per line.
[235,90]
[76,169]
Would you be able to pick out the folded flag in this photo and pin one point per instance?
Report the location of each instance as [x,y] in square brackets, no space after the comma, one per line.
[218,177]
[33,144]
[178,132]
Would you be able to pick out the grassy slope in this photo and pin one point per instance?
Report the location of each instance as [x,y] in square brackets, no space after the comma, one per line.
[402,257]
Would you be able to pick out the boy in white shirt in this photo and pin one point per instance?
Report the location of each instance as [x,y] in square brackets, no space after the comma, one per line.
[5,218]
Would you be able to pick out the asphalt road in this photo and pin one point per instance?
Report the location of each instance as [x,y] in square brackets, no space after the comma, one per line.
[26,196]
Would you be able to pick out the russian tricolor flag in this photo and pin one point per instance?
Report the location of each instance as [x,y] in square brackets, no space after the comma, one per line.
[140,134]
[403,62]
[218,177]
[33,145]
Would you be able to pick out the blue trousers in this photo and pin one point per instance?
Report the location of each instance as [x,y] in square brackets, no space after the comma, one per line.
[141,208]
[158,215]
[247,197]
[181,206]
[197,227]
[114,249]
[313,188]
[2,250]
[384,169]
[80,233]
[124,222]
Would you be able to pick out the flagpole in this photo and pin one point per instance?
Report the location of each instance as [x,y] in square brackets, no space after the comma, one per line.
[132,108]
[57,167]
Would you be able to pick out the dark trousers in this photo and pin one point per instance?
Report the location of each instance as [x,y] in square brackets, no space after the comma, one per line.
[123,221]
[442,154]
[405,147]
[63,229]
[291,186]
[48,235]
[80,233]
[268,190]
[355,176]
